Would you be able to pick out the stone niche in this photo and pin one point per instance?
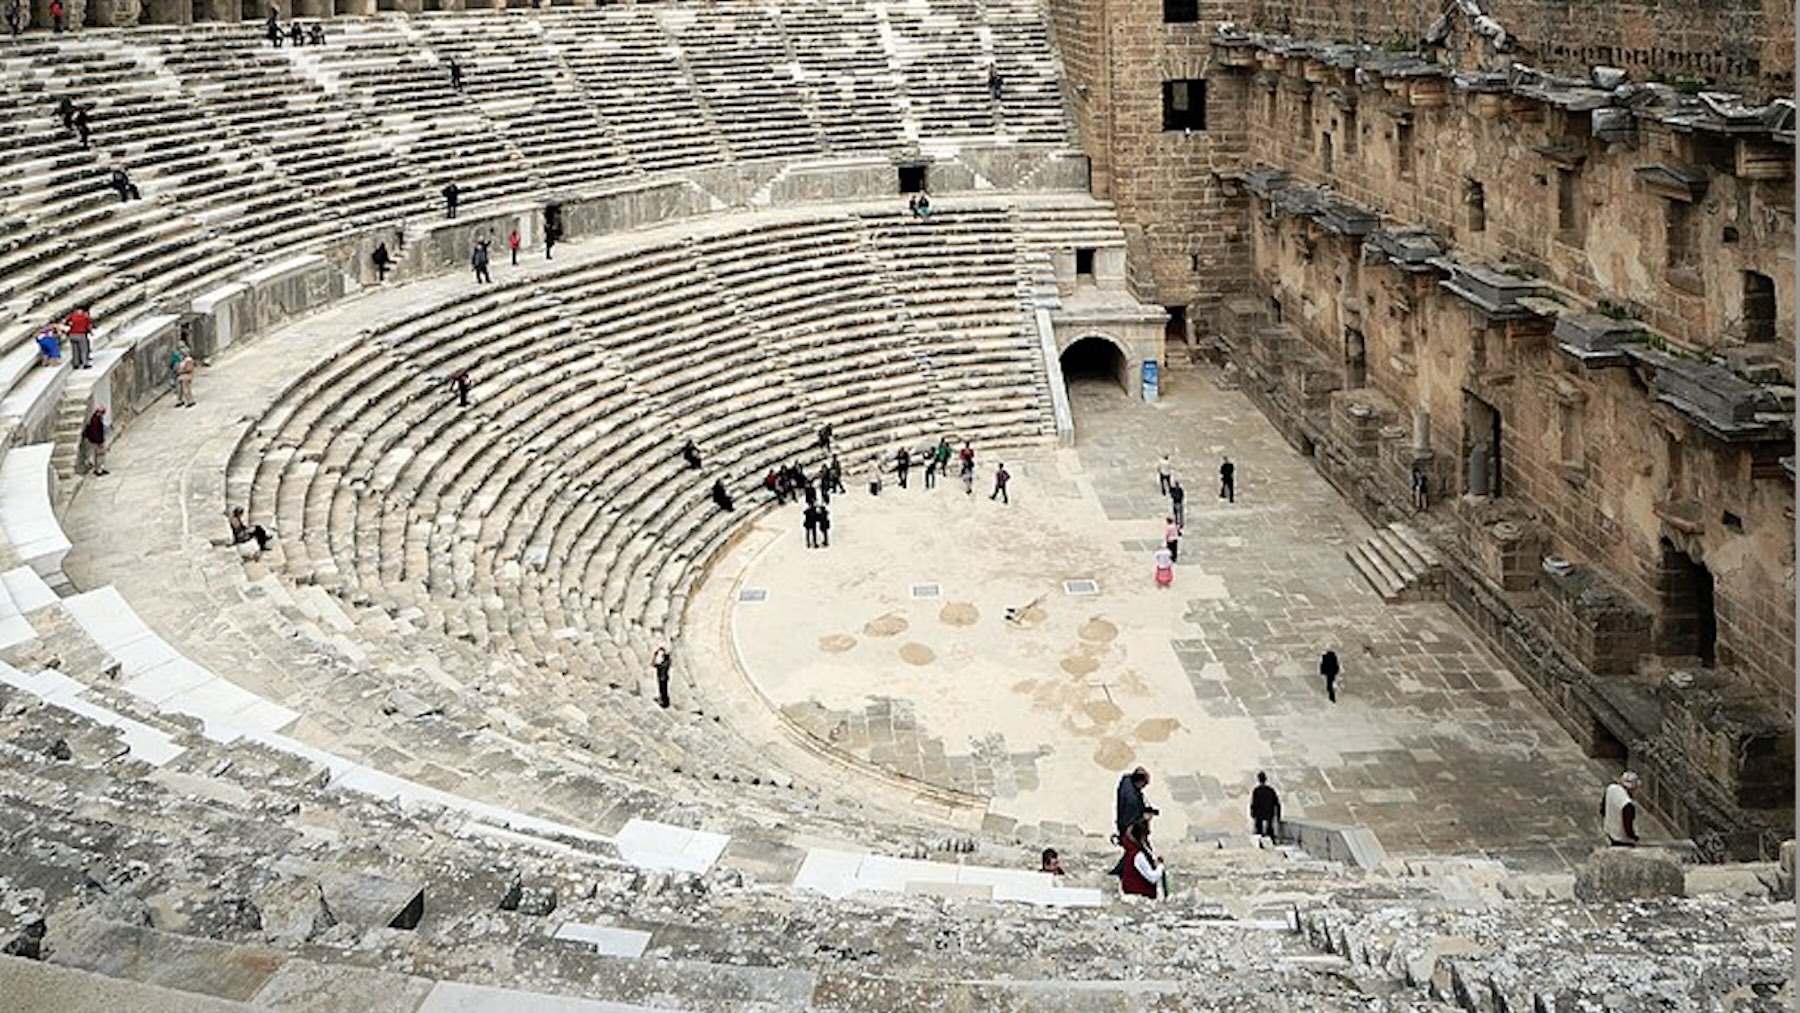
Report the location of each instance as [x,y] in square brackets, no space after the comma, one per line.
[1741,740]
[1604,628]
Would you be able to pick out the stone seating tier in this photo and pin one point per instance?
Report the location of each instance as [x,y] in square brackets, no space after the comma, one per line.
[561,490]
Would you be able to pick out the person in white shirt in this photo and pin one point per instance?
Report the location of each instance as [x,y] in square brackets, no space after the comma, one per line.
[1618,811]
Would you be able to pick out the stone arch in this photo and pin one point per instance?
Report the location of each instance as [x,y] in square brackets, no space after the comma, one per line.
[1095,355]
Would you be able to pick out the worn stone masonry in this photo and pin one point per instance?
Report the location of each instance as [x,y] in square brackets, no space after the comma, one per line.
[1549,269]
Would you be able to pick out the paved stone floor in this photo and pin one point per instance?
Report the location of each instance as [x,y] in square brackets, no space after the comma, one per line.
[1433,743]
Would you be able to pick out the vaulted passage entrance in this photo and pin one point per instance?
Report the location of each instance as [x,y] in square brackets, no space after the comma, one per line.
[1093,360]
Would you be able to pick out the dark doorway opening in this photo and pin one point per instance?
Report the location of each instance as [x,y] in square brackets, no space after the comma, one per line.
[1602,744]
[1176,328]
[1356,359]
[1084,263]
[1688,625]
[1759,307]
[1481,447]
[1095,360]
[913,178]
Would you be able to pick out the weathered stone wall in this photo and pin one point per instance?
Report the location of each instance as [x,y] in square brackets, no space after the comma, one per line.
[1739,44]
[1118,54]
[1588,453]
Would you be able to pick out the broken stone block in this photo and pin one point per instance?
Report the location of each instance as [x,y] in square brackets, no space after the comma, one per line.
[293,911]
[406,705]
[537,900]
[370,901]
[1629,874]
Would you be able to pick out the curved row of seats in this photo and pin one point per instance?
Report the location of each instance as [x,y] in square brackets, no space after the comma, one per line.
[553,522]
[247,154]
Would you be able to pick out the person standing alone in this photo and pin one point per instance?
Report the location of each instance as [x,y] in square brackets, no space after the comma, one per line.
[94,435]
[479,261]
[1001,477]
[1618,811]
[80,326]
[1178,502]
[1228,481]
[1265,807]
[659,663]
[1328,667]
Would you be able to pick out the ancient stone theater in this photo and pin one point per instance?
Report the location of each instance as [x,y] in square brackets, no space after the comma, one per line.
[749,506]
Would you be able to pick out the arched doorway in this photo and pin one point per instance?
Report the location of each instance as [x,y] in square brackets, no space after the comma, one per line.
[1095,360]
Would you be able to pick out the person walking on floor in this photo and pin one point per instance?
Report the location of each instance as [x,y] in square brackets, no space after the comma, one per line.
[942,453]
[1165,567]
[1265,808]
[824,527]
[1618,811]
[57,13]
[512,244]
[659,664]
[1178,502]
[1129,805]
[1228,481]
[931,469]
[381,259]
[1001,477]
[94,435]
[552,236]
[811,521]
[184,381]
[902,464]
[80,326]
[1162,475]
[1328,667]
[176,354]
[15,17]
[479,261]
[1172,539]
[1421,489]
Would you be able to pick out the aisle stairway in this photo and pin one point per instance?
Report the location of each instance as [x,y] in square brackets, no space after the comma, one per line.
[1399,564]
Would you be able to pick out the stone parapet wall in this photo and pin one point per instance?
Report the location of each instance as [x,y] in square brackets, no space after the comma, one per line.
[1738,44]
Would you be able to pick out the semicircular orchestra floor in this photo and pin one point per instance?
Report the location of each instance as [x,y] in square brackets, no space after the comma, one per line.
[894,646]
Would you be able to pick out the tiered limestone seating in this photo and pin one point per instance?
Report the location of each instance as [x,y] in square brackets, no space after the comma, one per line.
[623,61]
[553,524]
[745,76]
[1032,107]
[959,272]
[944,58]
[855,98]
[330,150]
[522,86]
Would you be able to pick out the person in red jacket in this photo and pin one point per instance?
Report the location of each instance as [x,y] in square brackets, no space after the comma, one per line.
[512,243]
[1141,872]
[80,325]
[56,15]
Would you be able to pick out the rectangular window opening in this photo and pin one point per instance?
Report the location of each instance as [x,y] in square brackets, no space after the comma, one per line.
[1184,104]
[1181,12]
[913,178]
[1084,263]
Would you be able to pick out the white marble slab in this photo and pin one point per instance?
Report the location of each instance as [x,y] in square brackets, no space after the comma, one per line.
[841,873]
[28,590]
[26,513]
[607,940]
[652,845]
[457,997]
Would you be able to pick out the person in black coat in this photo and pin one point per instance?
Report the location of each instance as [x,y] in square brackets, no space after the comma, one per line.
[1328,667]
[720,496]
[1265,807]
